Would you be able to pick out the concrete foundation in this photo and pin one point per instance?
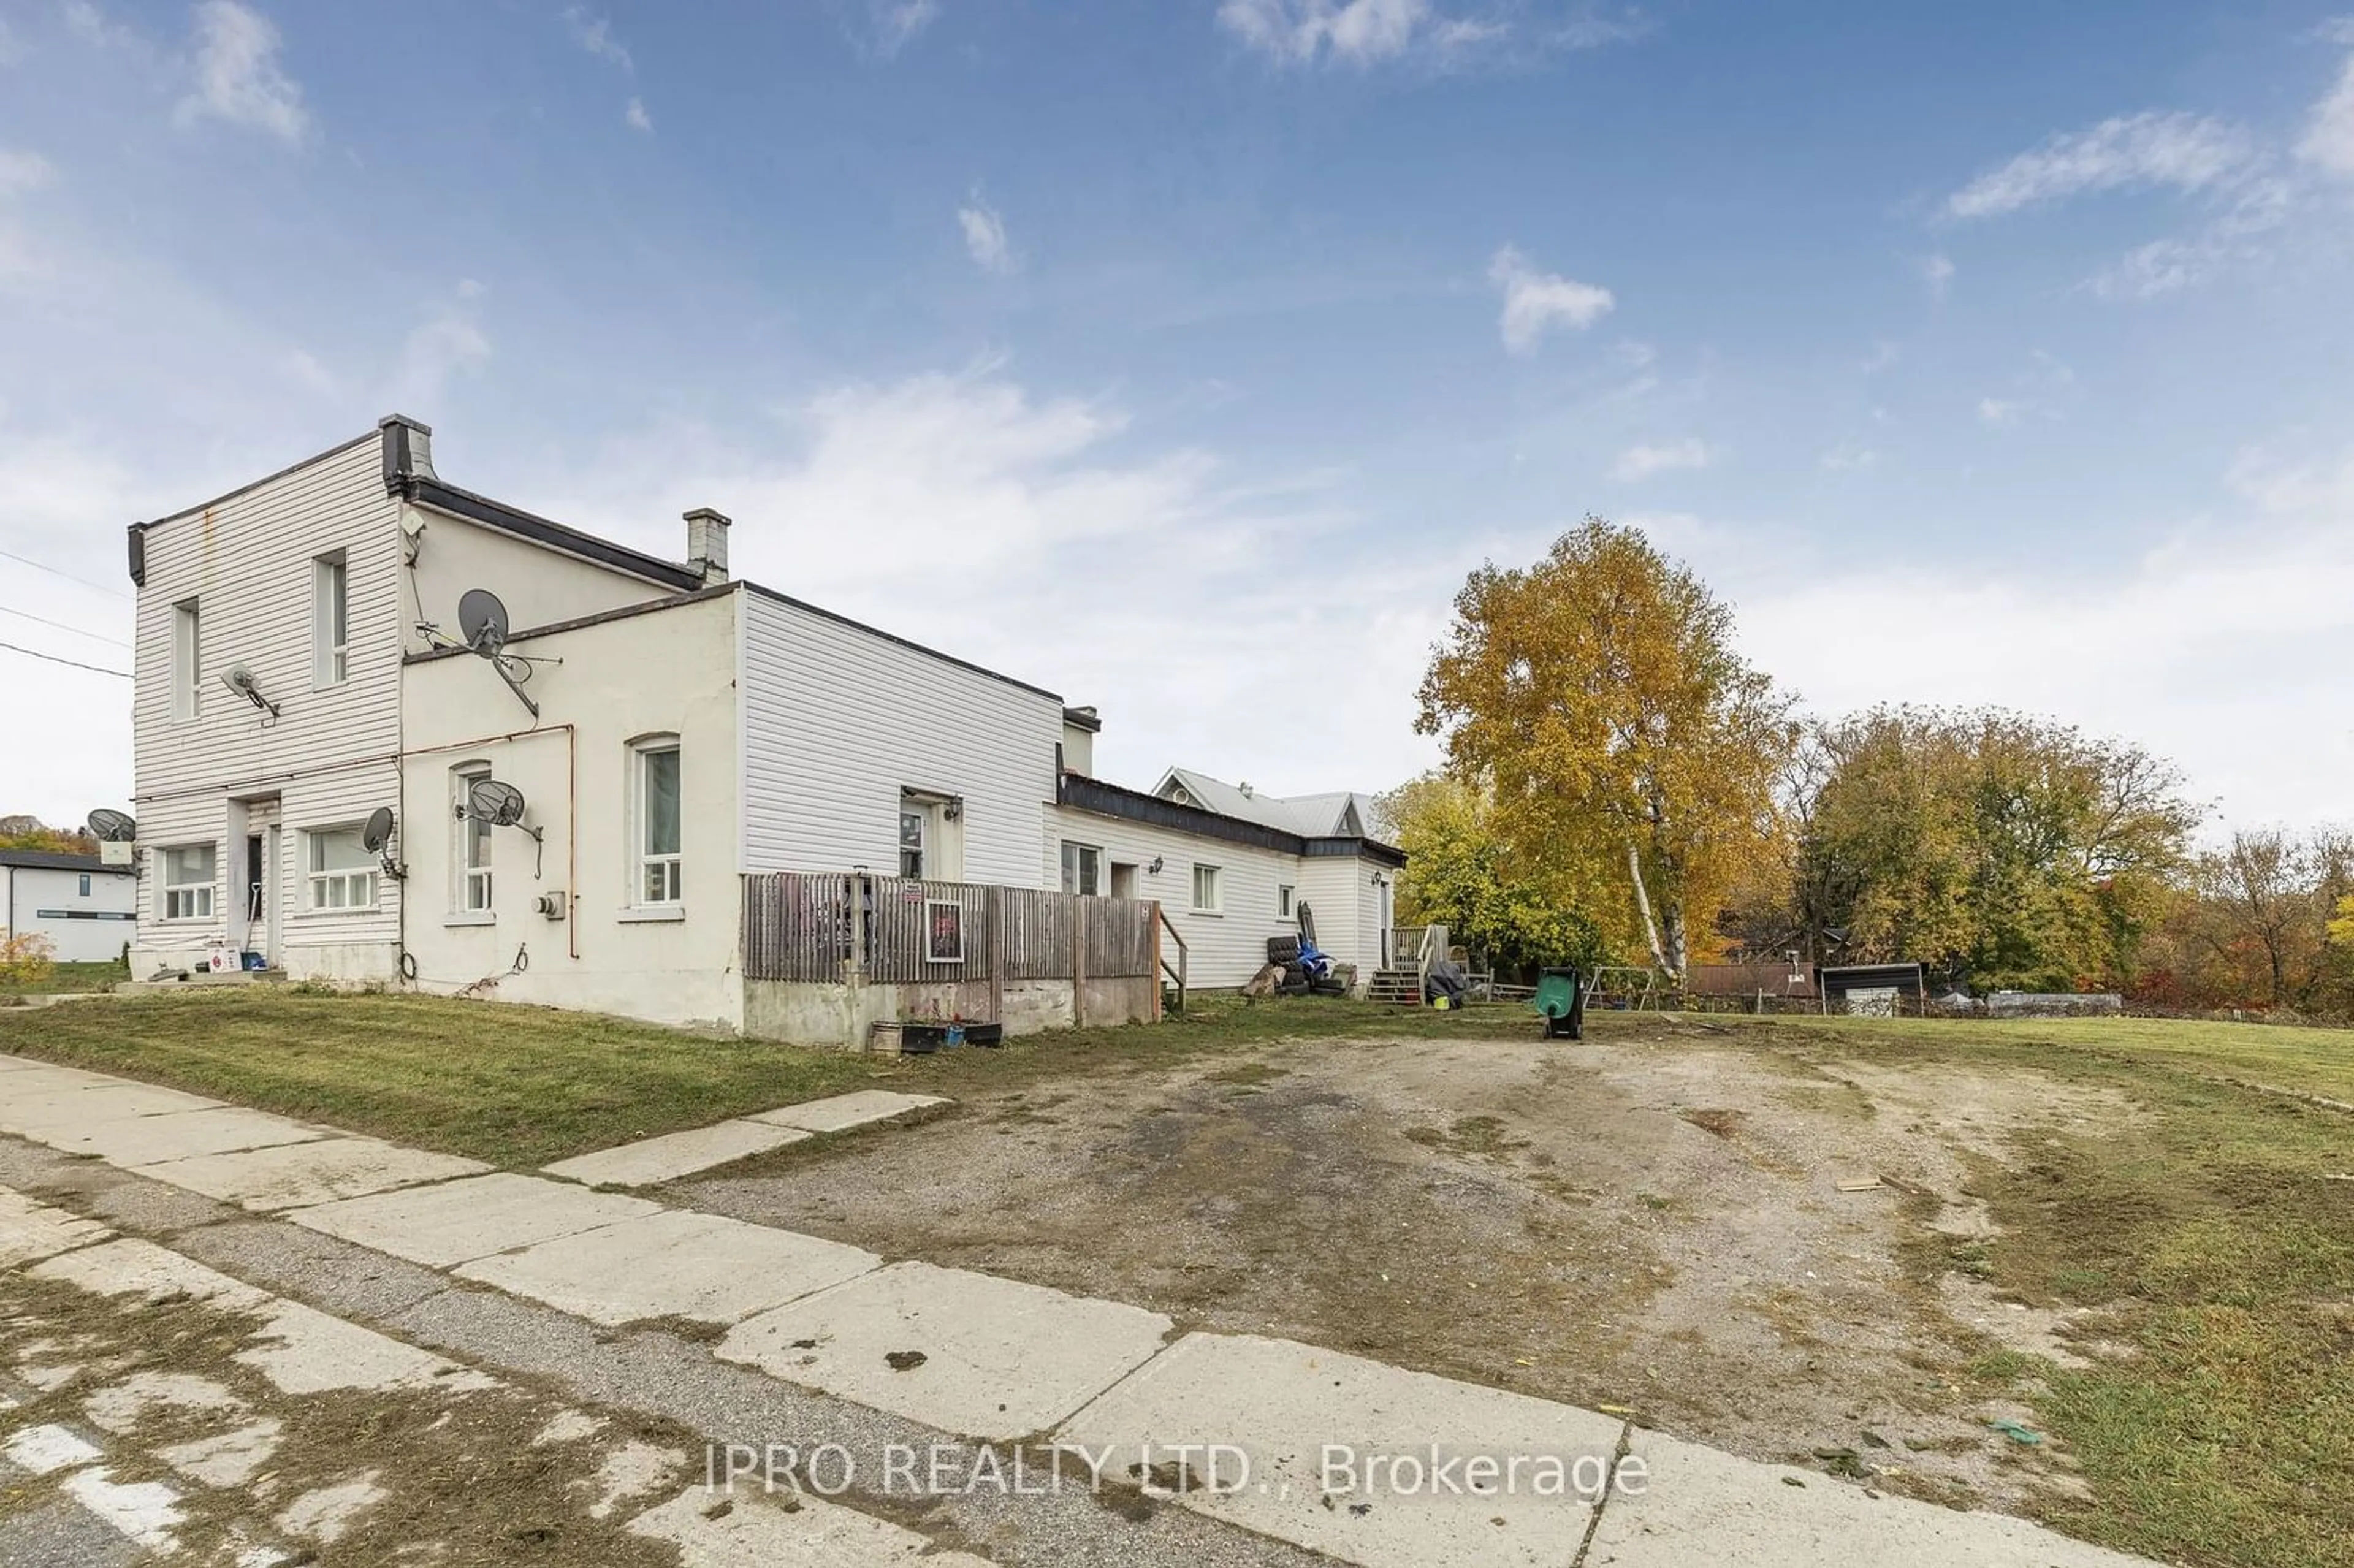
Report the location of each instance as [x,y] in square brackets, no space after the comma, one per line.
[841,1014]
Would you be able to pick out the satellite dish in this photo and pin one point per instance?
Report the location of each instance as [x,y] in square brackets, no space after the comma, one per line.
[492,801]
[239,679]
[113,827]
[378,830]
[483,621]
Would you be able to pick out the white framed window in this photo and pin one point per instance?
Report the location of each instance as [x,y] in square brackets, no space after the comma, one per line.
[915,832]
[654,780]
[1209,891]
[341,872]
[185,651]
[1284,909]
[1082,868]
[473,871]
[188,874]
[330,621]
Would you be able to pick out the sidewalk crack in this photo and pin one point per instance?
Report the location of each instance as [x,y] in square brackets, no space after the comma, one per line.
[1609,1483]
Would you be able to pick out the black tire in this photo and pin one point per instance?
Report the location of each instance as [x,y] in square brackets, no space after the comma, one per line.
[1283,949]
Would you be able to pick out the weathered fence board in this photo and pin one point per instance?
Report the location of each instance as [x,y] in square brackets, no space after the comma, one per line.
[801,926]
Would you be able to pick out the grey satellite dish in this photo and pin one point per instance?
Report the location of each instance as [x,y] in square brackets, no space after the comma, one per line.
[495,802]
[111,827]
[482,622]
[239,679]
[378,830]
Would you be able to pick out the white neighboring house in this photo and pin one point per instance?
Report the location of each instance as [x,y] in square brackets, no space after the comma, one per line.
[82,906]
[670,730]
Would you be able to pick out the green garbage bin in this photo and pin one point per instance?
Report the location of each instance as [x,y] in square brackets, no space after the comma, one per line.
[1561,998]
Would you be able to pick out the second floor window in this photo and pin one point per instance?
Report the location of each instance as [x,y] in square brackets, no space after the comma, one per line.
[330,621]
[188,870]
[184,660]
[342,872]
[658,822]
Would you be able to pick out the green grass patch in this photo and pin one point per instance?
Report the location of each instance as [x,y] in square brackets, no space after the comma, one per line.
[103,975]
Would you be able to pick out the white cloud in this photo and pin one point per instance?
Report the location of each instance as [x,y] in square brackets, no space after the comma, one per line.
[635,117]
[1640,463]
[2222,648]
[884,28]
[2160,267]
[238,81]
[1301,33]
[88,23]
[448,342]
[2000,410]
[595,36]
[2329,135]
[2185,152]
[1937,272]
[1848,459]
[1535,302]
[984,234]
[24,172]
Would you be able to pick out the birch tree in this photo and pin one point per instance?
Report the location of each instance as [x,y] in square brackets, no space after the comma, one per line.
[1631,754]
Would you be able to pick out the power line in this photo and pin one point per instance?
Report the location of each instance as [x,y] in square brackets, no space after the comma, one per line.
[62,626]
[45,567]
[95,669]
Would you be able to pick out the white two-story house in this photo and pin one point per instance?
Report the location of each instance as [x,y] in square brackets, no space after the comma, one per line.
[302,664]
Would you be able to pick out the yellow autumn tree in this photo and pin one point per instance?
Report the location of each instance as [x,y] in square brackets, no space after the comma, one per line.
[1632,753]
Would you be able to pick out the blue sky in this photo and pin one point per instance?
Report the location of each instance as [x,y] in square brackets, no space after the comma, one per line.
[1181,357]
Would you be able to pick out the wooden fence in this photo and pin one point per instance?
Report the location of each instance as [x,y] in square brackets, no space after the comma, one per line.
[802,926]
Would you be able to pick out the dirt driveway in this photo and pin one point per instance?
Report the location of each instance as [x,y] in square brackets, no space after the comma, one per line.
[1652,1221]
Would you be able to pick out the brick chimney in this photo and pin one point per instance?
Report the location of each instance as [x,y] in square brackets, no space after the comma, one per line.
[706,545]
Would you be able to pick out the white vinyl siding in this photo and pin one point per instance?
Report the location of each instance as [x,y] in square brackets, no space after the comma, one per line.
[329,755]
[339,873]
[839,722]
[655,813]
[190,871]
[186,664]
[330,621]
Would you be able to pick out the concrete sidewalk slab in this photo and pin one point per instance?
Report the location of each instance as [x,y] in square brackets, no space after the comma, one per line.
[1700,1505]
[968,1353]
[36,1113]
[306,1352]
[178,1134]
[1286,1406]
[758,1531]
[842,1112]
[674,1154]
[131,1267]
[30,1230]
[27,1078]
[675,1264]
[299,1175]
[458,1221]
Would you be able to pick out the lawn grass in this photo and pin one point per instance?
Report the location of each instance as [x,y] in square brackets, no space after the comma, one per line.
[520,1086]
[2206,1232]
[103,975]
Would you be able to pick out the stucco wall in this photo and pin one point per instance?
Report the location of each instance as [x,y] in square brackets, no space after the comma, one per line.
[538,586]
[670,670]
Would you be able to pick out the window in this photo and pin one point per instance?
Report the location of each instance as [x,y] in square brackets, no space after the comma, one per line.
[913,822]
[189,871]
[474,844]
[1082,868]
[84,888]
[184,660]
[657,822]
[1206,890]
[1283,909]
[330,622]
[342,872]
